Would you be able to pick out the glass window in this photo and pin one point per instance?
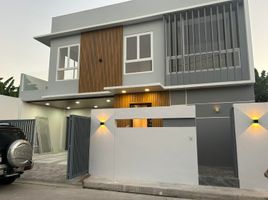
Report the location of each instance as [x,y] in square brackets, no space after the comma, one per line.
[68,63]
[145,46]
[132,48]
[138,53]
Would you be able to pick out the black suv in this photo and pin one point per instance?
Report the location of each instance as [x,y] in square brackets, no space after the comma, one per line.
[15,153]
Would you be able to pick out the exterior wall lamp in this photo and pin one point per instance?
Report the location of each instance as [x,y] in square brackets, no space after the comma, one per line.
[102,123]
[255,121]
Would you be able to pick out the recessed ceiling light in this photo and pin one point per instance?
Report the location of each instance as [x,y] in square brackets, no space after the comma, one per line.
[77,102]
[47,104]
[147,90]
[124,91]
[96,107]
[108,100]
[68,108]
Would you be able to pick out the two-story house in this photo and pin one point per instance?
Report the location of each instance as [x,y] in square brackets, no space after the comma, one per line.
[152,53]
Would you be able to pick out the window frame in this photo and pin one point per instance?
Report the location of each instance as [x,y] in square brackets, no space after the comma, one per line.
[68,68]
[138,35]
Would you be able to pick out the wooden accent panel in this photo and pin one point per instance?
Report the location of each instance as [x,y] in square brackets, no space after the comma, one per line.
[156,99]
[101,59]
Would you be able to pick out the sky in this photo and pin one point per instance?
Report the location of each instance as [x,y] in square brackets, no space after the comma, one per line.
[21,20]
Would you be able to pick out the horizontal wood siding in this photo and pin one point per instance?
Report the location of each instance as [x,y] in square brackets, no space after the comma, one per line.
[101,61]
[156,99]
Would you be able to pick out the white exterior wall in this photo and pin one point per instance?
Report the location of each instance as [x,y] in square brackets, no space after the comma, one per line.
[252,145]
[166,155]
[9,107]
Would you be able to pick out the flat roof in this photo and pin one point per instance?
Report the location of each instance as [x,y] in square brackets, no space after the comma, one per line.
[126,13]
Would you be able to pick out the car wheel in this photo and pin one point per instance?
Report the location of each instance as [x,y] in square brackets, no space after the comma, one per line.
[7,181]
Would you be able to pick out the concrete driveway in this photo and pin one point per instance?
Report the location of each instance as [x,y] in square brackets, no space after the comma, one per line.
[48,168]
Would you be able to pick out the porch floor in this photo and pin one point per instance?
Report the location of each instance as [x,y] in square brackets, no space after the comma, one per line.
[174,190]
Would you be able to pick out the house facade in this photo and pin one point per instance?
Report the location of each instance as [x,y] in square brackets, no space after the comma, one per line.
[151,53]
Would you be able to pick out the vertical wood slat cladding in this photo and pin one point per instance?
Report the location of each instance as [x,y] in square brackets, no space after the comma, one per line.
[157,99]
[101,59]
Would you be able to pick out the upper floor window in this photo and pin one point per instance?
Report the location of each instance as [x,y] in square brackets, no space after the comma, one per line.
[138,53]
[68,62]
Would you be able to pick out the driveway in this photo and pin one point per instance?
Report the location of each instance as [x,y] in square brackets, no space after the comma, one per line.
[24,191]
[48,168]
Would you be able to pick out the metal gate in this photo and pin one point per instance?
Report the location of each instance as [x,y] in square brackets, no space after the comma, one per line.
[26,125]
[78,130]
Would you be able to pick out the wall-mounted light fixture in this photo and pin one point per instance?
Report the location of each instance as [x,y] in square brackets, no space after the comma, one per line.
[47,104]
[102,123]
[255,121]
[217,108]
[124,91]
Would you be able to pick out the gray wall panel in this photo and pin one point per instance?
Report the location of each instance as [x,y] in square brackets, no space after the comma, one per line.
[213,95]
[215,142]
[208,110]
[60,87]
[227,94]
[177,97]
[179,122]
[119,12]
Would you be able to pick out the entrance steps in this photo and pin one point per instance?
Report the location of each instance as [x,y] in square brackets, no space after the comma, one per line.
[175,190]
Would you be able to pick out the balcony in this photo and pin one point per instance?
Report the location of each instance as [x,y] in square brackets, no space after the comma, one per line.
[32,89]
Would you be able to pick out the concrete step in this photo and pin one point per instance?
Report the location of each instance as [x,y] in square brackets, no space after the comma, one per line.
[175,190]
[219,181]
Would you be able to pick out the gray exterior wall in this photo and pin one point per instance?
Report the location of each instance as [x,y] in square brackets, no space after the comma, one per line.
[127,10]
[158,74]
[60,87]
[213,95]
[215,136]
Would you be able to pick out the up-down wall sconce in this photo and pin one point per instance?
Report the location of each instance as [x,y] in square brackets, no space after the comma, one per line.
[255,121]
[102,123]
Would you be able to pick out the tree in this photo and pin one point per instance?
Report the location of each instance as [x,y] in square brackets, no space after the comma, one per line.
[261,86]
[7,87]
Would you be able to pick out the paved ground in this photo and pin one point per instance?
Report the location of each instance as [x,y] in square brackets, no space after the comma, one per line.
[19,191]
[48,168]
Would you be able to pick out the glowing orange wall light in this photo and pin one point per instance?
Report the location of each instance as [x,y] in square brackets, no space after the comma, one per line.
[256,128]
[103,118]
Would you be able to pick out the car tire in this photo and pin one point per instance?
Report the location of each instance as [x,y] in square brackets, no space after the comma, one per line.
[7,181]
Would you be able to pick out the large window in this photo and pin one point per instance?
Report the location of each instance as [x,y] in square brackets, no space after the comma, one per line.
[138,53]
[68,63]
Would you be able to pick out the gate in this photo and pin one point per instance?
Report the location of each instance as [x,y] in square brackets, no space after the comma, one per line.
[27,126]
[78,130]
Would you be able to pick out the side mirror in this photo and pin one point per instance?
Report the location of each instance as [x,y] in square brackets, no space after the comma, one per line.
[266,174]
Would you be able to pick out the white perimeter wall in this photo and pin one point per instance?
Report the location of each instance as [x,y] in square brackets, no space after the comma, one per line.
[252,145]
[9,107]
[144,154]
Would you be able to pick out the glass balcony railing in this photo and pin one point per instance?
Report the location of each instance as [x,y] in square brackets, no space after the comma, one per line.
[29,83]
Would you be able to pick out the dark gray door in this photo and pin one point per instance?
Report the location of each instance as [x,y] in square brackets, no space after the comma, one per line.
[78,131]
